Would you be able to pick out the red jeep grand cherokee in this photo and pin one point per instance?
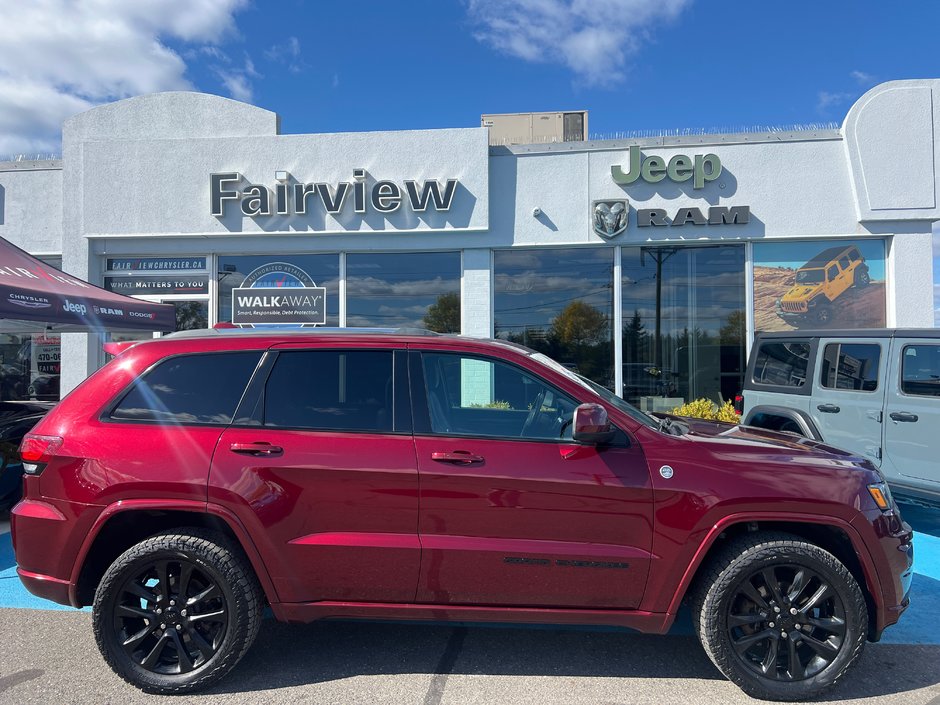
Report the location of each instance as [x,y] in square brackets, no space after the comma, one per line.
[197,478]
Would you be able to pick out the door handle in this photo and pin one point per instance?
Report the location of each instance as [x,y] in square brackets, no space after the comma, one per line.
[903,416]
[829,408]
[457,457]
[256,448]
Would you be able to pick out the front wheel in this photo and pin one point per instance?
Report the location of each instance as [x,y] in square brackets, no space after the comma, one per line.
[177,611]
[780,617]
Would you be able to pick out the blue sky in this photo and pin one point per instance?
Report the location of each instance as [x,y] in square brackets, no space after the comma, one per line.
[377,65]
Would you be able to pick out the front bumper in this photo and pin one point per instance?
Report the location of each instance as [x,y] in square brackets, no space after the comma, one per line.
[891,541]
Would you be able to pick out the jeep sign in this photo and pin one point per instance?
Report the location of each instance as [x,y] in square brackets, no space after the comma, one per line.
[700,169]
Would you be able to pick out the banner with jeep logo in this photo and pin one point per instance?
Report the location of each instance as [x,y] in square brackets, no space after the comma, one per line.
[819,284]
[39,295]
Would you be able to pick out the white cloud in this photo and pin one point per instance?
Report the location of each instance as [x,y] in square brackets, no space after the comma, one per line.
[593,38]
[827,100]
[288,54]
[238,85]
[59,57]
[864,79]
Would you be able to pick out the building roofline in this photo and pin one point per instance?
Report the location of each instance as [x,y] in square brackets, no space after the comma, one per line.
[808,134]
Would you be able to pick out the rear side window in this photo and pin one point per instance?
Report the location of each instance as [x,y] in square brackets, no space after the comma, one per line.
[189,389]
[331,390]
[920,370]
[782,364]
[851,366]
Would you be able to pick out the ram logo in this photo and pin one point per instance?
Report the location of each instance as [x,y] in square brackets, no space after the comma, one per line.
[610,217]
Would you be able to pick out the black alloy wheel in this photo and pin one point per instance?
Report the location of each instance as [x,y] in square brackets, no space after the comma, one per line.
[786,623]
[781,617]
[171,616]
[177,611]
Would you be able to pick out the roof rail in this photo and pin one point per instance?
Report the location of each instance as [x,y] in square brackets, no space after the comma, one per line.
[318,330]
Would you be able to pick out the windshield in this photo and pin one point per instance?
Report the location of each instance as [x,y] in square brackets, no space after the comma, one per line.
[604,393]
[809,276]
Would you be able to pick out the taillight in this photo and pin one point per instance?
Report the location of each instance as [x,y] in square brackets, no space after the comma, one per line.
[739,403]
[36,452]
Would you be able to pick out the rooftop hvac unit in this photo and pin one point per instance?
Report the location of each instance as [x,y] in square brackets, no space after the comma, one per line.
[536,128]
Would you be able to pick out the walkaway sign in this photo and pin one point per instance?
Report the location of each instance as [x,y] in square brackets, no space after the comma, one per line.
[34,294]
[283,305]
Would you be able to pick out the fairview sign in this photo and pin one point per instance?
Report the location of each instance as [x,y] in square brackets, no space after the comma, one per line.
[289,197]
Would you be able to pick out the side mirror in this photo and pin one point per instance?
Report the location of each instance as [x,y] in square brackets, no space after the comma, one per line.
[591,425]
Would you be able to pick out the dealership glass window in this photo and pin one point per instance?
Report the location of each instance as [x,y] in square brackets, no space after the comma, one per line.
[683,324]
[559,302]
[851,366]
[279,271]
[412,289]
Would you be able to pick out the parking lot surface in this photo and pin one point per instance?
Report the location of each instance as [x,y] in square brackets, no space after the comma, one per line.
[49,655]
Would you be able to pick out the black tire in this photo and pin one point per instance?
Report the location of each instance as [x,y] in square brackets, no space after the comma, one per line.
[735,604]
[180,646]
[862,277]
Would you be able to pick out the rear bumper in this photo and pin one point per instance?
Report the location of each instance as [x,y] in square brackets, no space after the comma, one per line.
[47,535]
[45,586]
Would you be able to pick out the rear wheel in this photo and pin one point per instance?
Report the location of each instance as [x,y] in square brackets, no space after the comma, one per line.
[176,612]
[862,277]
[780,617]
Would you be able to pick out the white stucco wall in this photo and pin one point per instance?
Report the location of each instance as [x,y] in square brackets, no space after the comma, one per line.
[31,205]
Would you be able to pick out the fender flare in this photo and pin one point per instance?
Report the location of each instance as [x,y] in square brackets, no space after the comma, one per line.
[182,505]
[798,416]
[869,570]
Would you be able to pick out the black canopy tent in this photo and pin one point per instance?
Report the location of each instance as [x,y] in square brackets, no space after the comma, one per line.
[35,297]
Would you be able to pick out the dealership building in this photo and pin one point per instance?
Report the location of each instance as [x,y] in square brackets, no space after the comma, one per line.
[646,264]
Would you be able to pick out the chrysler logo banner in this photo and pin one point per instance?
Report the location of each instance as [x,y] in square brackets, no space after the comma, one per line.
[279,294]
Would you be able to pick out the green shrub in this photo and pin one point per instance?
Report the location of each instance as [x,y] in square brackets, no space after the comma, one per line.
[492,405]
[707,409]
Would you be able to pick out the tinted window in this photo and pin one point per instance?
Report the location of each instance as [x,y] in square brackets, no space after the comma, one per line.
[476,397]
[920,370]
[833,272]
[851,366]
[782,364]
[189,389]
[331,390]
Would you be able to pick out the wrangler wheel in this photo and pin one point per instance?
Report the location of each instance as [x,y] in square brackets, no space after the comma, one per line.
[176,612]
[782,618]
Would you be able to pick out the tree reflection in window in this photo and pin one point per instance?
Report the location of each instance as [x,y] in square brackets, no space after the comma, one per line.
[559,302]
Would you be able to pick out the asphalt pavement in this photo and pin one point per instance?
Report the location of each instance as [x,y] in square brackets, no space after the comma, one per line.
[49,656]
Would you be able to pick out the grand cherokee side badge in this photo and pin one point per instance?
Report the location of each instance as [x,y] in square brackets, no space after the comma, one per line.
[666,471]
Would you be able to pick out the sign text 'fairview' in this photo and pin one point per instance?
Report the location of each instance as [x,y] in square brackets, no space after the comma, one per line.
[289,197]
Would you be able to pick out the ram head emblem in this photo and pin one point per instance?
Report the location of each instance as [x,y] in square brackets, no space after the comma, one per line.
[610,217]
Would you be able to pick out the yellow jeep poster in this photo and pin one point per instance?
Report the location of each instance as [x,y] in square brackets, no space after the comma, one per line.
[819,285]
